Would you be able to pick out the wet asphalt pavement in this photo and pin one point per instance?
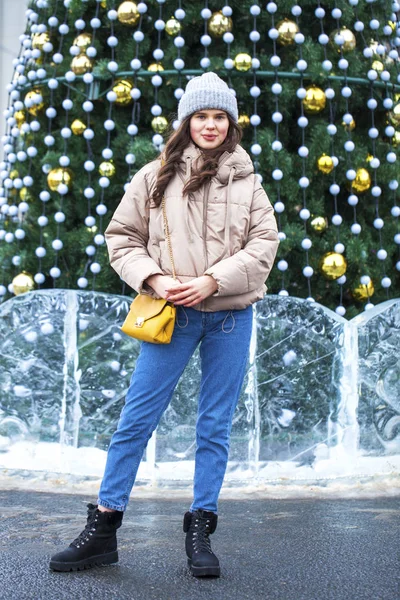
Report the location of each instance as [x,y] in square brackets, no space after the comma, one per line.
[269,549]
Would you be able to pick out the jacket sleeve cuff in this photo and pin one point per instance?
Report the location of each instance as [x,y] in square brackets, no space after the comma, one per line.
[217,281]
[136,275]
[219,291]
[144,288]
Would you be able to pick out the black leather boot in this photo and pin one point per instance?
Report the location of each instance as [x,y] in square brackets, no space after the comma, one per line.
[198,525]
[95,546]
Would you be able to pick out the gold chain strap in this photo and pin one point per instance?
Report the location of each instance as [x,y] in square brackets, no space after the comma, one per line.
[166,229]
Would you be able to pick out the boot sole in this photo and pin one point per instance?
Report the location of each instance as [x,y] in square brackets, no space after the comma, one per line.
[204,571]
[88,563]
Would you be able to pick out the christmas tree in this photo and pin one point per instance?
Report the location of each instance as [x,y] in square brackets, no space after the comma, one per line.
[94,95]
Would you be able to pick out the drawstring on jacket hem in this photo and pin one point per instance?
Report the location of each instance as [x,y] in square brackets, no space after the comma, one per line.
[233,324]
[177,319]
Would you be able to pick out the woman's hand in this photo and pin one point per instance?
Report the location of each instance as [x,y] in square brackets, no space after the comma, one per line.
[160,284]
[193,292]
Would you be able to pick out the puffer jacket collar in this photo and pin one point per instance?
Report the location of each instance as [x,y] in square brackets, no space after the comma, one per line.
[231,166]
[238,159]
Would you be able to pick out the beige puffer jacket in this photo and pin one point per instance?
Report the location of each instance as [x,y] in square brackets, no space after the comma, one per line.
[226,229]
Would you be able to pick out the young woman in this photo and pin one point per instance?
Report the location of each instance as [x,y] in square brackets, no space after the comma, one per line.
[224,241]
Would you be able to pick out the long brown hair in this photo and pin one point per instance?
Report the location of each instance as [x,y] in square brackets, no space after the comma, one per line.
[172,153]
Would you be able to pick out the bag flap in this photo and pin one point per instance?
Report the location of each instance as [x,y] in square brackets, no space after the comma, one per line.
[147,307]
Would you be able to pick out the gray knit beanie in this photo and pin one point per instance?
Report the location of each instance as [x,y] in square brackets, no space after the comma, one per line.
[207,91]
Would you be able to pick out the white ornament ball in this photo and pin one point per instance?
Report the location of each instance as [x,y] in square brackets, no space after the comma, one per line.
[378,223]
[99,239]
[57,245]
[95,267]
[90,221]
[304,182]
[337,220]
[55,272]
[308,271]
[304,214]
[395,211]
[82,282]
[381,254]
[276,146]
[365,279]
[256,149]
[282,265]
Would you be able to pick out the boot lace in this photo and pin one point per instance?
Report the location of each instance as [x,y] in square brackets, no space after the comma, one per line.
[90,528]
[200,535]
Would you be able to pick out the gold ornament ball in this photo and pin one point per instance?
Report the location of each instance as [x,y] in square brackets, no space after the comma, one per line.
[363,292]
[14,174]
[39,40]
[348,36]
[377,65]
[57,176]
[107,168]
[218,24]
[128,13]
[319,224]
[159,124]
[78,127]
[325,164]
[244,121]
[315,100]
[333,265]
[83,41]
[396,139]
[287,30]
[35,108]
[20,117]
[25,194]
[23,282]
[362,181]
[154,67]
[123,89]
[394,115]
[173,26]
[349,39]
[81,64]
[242,61]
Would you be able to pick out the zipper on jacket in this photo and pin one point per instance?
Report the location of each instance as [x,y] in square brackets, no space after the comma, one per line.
[205,207]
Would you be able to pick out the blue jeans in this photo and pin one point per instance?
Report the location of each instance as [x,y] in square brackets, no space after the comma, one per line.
[225,339]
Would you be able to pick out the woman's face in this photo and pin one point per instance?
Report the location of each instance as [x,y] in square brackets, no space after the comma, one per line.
[209,128]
